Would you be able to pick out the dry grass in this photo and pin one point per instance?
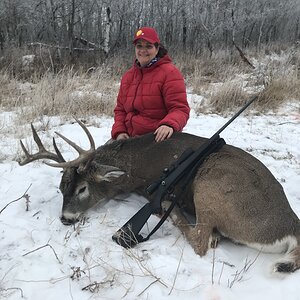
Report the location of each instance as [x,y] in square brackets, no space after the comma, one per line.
[277,92]
[224,80]
[227,82]
[9,91]
[203,72]
[227,97]
[44,89]
[282,82]
[67,93]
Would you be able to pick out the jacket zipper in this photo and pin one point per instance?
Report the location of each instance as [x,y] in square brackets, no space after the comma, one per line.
[133,109]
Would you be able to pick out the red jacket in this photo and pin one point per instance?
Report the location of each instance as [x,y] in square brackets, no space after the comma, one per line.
[151,97]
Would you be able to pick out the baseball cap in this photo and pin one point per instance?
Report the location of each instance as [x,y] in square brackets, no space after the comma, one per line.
[148,34]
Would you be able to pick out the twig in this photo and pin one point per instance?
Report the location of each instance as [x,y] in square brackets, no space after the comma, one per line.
[283,123]
[213,266]
[23,196]
[27,201]
[238,276]
[14,288]
[40,45]
[142,267]
[146,288]
[221,273]
[70,290]
[39,248]
[176,274]
[76,273]
[95,286]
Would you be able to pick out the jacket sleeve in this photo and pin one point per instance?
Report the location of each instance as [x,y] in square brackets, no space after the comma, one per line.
[119,115]
[175,98]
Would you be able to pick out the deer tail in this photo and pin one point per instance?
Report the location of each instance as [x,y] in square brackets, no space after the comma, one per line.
[290,262]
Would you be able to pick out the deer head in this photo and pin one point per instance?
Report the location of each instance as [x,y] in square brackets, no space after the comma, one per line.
[84,182]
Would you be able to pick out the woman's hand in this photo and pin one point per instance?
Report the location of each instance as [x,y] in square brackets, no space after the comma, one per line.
[163,132]
[123,136]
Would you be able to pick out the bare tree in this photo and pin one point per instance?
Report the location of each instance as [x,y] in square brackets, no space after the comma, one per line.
[108,25]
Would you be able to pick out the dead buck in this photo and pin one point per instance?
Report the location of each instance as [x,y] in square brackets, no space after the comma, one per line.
[233,194]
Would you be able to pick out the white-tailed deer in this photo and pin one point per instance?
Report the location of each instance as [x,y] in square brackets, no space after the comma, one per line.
[233,194]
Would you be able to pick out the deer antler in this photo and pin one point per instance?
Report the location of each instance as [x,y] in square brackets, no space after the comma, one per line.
[42,153]
[84,155]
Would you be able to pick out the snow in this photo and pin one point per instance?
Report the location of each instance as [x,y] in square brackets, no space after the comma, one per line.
[40,258]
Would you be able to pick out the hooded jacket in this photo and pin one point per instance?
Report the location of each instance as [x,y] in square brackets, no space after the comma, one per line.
[151,97]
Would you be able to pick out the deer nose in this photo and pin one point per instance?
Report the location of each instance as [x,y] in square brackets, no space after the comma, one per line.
[69,218]
[66,221]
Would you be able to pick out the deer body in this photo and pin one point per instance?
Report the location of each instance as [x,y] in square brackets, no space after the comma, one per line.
[233,194]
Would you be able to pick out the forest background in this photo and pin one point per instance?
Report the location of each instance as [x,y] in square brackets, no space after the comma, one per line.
[51,48]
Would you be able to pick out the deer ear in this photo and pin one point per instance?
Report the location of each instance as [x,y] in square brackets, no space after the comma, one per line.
[114,174]
[106,173]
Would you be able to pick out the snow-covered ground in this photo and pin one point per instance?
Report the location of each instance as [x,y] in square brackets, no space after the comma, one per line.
[40,258]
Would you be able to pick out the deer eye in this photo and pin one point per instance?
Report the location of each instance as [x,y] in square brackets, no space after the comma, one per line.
[82,190]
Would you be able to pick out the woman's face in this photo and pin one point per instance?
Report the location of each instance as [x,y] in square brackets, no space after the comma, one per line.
[145,52]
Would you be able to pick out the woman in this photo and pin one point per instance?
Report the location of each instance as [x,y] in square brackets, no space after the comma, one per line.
[152,95]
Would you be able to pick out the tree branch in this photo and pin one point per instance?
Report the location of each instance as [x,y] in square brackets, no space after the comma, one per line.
[242,55]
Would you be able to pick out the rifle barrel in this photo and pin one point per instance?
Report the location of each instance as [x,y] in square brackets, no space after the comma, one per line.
[235,116]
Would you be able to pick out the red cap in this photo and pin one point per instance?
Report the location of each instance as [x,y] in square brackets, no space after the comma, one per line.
[148,34]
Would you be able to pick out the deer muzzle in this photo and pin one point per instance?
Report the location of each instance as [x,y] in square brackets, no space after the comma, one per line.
[68,218]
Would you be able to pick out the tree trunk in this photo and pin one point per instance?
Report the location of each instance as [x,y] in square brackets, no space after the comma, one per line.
[108,24]
[71,31]
[184,28]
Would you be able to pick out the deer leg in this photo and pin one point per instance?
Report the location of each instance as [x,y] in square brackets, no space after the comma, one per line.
[201,236]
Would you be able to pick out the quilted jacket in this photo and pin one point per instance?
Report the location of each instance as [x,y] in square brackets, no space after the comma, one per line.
[151,97]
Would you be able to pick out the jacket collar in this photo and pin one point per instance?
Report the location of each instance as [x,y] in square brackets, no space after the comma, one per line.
[163,60]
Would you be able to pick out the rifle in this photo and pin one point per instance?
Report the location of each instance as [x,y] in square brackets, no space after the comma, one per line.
[185,168]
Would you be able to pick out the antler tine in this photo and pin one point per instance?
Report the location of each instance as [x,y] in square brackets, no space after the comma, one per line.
[42,153]
[24,149]
[75,146]
[37,139]
[92,142]
[57,151]
[84,155]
